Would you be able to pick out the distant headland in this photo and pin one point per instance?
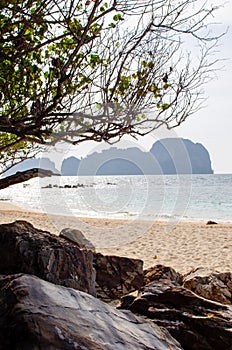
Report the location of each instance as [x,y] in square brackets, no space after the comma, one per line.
[166,156]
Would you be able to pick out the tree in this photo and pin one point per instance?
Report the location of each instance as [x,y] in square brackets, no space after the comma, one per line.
[95,70]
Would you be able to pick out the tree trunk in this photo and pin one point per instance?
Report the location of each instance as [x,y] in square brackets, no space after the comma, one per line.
[22,176]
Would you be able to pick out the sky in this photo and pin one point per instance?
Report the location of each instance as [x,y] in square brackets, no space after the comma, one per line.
[212,125]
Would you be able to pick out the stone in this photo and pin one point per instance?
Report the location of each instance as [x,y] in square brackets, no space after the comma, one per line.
[210,285]
[196,323]
[77,237]
[117,276]
[35,314]
[159,272]
[210,222]
[166,156]
[23,248]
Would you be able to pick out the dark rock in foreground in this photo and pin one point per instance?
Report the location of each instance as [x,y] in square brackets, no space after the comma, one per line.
[210,285]
[65,260]
[197,323]
[26,249]
[35,314]
[117,276]
[159,272]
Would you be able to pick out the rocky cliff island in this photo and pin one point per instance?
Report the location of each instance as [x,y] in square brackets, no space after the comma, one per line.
[167,156]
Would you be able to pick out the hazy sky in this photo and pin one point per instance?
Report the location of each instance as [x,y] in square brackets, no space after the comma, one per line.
[211,126]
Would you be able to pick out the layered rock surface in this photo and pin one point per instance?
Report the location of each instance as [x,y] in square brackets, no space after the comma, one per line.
[65,260]
[117,276]
[26,249]
[35,314]
[39,315]
[197,323]
[210,285]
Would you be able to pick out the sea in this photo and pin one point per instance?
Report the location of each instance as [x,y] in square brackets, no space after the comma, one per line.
[151,197]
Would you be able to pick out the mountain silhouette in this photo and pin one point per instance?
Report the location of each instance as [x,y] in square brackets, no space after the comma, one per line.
[167,156]
[42,163]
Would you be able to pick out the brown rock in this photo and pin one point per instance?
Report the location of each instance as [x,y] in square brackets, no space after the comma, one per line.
[197,323]
[210,285]
[159,272]
[35,314]
[117,276]
[26,249]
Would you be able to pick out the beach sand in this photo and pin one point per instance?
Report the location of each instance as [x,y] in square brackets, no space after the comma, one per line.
[181,245]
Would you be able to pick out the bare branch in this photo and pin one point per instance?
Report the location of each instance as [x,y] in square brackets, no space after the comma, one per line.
[76,71]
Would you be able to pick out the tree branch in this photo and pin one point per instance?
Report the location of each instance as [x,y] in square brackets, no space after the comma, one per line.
[22,176]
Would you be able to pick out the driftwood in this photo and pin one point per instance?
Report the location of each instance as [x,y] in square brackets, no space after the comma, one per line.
[22,176]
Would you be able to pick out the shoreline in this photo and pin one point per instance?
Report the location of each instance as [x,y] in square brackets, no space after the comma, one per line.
[6,204]
[181,245]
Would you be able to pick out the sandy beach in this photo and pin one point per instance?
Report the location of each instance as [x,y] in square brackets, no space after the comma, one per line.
[181,245]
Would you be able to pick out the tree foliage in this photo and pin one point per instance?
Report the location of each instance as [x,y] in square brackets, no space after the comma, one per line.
[96,70]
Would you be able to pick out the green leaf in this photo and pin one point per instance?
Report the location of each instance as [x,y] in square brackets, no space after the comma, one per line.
[165,106]
[99,106]
[118,17]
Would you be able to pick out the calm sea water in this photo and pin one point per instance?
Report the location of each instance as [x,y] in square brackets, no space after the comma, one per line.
[178,197]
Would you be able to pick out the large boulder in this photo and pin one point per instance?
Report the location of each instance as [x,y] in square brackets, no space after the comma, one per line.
[160,272]
[26,249]
[117,276]
[35,314]
[197,323]
[77,237]
[211,285]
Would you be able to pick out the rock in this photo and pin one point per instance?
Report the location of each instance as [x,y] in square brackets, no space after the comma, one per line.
[117,276]
[181,156]
[35,314]
[26,249]
[167,156]
[159,272]
[77,237]
[210,222]
[197,323]
[210,285]
[70,166]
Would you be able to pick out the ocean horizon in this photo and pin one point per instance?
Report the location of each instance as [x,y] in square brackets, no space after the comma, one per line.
[145,197]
